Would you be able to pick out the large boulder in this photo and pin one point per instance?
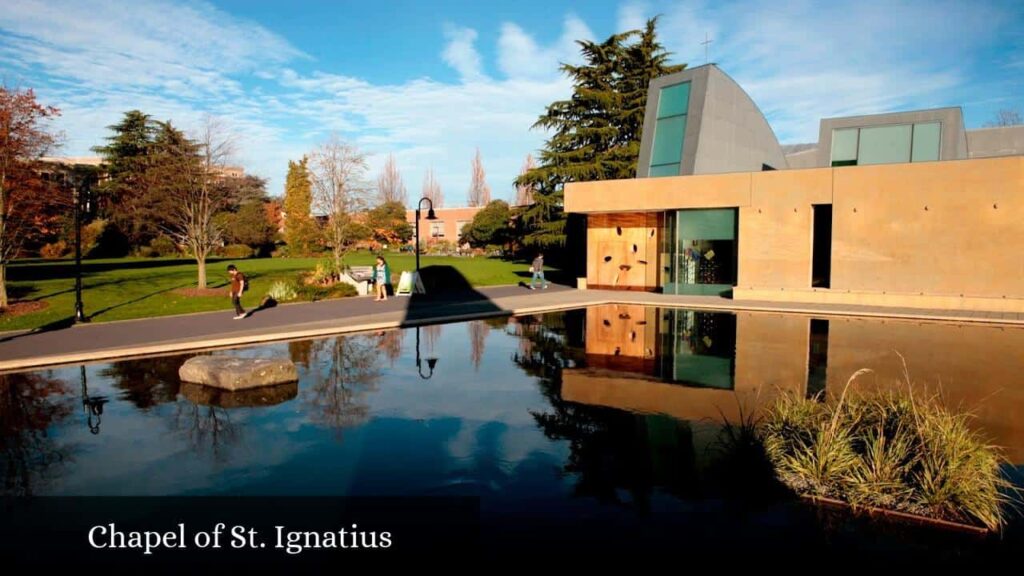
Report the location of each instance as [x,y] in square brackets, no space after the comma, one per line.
[233,373]
[262,396]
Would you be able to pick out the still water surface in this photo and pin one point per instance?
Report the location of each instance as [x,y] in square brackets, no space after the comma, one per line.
[605,417]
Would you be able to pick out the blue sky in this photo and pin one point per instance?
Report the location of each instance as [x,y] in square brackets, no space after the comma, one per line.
[433,81]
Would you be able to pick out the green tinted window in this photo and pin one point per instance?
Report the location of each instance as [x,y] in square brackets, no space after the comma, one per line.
[664,170]
[884,144]
[674,100]
[926,142]
[668,140]
[844,145]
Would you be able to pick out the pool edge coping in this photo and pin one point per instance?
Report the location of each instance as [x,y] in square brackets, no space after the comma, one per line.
[206,343]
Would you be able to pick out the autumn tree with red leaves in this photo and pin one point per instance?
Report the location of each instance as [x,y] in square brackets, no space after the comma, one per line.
[24,139]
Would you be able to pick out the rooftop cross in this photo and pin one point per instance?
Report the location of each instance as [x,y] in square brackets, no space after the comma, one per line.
[707,40]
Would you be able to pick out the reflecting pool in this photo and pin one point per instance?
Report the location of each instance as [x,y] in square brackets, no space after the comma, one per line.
[604,422]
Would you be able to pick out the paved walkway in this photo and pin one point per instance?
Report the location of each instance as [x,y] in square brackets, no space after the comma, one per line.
[92,342]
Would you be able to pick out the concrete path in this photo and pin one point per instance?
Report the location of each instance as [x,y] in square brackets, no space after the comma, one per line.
[102,341]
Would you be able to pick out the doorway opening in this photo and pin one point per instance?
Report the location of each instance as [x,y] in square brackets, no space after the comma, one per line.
[821,247]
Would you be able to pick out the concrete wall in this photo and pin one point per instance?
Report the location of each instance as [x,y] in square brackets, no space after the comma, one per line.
[953,139]
[725,131]
[930,235]
[992,142]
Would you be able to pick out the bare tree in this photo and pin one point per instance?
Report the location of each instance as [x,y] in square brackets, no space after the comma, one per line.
[478,331]
[432,189]
[23,140]
[188,169]
[390,187]
[524,192]
[1006,117]
[340,192]
[479,191]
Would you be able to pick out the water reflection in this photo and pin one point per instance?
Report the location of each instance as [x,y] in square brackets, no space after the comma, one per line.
[619,406]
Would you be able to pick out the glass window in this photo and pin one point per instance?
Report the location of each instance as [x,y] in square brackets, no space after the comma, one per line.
[668,141]
[884,144]
[704,254]
[437,229]
[926,142]
[844,146]
[669,130]
[674,100]
[664,170]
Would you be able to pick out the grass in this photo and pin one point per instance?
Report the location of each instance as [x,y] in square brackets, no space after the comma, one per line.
[128,288]
[892,451]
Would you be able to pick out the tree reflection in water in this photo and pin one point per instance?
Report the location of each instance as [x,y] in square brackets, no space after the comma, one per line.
[206,428]
[29,405]
[610,450]
[147,383]
[478,330]
[342,371]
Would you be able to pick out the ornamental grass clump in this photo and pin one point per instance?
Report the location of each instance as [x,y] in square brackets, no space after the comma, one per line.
[892,451]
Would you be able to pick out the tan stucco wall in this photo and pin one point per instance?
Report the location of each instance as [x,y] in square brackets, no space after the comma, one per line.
[965,251]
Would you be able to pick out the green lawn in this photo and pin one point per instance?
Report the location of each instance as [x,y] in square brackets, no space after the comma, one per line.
[127,288]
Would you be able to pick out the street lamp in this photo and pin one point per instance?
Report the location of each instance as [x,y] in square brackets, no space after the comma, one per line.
[92,405]
[430,216]
[431,362]
[79,308]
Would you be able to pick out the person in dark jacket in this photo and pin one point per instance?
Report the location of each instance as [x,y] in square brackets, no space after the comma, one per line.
[237,287]
[538,272]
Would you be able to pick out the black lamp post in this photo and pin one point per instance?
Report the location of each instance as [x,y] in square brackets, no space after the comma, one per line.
[79,308]
[430,216]
[431,362]
[92,405]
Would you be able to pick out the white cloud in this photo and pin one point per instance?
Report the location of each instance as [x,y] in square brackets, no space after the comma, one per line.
[520,56]
[460,52]
[799,61]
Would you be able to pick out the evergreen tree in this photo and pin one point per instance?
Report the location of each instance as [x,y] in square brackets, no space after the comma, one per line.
[596,133]
[124,197]
[300,231]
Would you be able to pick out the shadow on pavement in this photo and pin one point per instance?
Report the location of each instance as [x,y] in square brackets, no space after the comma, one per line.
[59,324]
[446,285]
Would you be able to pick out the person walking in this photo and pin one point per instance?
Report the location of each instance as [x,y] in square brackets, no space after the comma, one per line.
[538,272]
[381,279]
[238,285]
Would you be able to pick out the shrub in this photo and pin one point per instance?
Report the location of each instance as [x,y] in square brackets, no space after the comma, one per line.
[54,250]
[235,251]
[314,292]
[283,291]
[160,247]
[892,451]
[103,239]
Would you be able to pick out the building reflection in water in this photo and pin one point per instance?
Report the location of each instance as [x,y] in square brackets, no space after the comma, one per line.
[703,366]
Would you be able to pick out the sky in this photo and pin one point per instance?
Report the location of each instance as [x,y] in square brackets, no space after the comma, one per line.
[433,81]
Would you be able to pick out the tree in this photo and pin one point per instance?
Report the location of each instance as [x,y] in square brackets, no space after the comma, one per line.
[388,225]
[340,192]
[489,227]
[24,139]
[596,133]
[479,191]
[390,187]
[250,225]
[125,196]
[432,189]
[1005,117]
[241,190]
[300,230]
[185,173]
[524,192]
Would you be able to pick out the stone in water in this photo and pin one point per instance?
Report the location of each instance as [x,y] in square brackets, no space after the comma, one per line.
[232,373]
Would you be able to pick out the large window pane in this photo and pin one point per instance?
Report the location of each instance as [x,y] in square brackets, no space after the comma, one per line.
[664,170]
[668,140]
[674,100]
[926,142]
[844,145]
[884,144]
